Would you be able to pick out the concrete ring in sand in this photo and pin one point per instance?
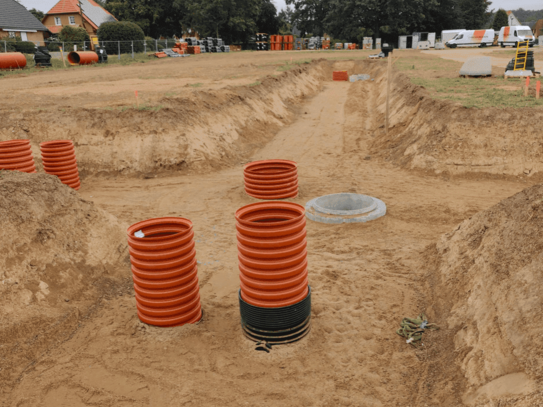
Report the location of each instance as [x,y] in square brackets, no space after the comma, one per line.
[345,208]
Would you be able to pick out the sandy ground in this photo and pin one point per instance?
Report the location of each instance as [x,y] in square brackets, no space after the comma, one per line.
[365,277]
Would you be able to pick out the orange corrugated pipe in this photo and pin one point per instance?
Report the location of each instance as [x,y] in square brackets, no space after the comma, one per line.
[82,58]
[59,159]
[165,271]
[12,60]
[272,253]
[16,155]
[271,179]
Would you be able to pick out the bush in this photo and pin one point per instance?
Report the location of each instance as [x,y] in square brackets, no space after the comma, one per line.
[9,44]
[121,31]
[53,46]
[73,36]
[26,47]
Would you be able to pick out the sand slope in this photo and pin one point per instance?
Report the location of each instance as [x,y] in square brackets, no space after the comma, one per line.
[486,281]
[59,252]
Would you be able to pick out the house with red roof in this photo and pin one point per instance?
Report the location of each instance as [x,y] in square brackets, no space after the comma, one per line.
[77,13]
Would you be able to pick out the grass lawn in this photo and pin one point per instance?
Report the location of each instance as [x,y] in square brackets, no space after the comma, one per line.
[441,78]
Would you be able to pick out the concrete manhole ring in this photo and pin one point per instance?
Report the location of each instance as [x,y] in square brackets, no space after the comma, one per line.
[345,208]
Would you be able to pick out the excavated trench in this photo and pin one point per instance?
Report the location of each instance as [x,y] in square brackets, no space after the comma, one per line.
[69,307]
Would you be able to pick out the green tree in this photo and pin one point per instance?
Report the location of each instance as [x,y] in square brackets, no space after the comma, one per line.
[267,20]
[500,20]
[285,21]
[38,14]
[310,16]
[156,18]
[73,36]
[474,13]
[123,31]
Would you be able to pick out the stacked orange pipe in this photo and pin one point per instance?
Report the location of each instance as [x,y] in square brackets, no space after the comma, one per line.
[341,76]
[272,253]
[16,155]
[271,179]
[59,159]
[165,271]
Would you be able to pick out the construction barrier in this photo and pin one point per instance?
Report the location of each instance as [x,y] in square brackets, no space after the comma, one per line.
[16,155]
[165,271]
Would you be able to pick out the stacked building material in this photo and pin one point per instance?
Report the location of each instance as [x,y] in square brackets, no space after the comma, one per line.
[341,76]
[288,42]
[367,43]
[326,43]
[298,44]
[193,50]
[261,43]
[160,55]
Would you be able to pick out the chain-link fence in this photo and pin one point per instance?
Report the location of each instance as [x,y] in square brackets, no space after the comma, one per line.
[111,47]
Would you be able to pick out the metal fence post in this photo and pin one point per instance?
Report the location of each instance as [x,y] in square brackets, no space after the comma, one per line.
[119,43]
[63,48]
[132,49]
[166,43]
[145,46]
[5,46]
[156,45]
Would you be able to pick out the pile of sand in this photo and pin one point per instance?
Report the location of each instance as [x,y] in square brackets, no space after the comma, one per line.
[487,286]
[59,254]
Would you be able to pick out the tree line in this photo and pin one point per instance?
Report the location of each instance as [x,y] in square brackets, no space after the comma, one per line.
[236,21]
[353,19]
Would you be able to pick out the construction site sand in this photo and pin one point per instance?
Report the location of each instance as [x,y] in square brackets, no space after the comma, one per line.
[365,278]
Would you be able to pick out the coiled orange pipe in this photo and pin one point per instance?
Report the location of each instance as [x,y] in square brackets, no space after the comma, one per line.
[272,254]
[271,179]
[17,155]
[165,271]
[59,159]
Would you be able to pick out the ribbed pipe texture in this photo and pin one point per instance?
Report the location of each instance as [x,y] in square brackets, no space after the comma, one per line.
[59,159]
[16,155]
[272,254]
[165,271]
[271,179]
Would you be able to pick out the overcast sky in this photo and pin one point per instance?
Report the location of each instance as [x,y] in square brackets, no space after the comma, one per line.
[46,5]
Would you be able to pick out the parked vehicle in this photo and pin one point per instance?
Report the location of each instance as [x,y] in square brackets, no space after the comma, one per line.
[472,38]
[514,34]
[447,35]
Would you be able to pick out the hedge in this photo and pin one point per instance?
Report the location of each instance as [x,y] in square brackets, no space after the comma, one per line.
[26,47]
[121,31]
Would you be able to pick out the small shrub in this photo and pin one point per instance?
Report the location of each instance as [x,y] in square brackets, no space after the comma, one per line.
[73,36]
[26,47]
[123,31]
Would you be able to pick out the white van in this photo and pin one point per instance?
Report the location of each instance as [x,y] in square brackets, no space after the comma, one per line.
[516,33]
[447,35]
[472,38]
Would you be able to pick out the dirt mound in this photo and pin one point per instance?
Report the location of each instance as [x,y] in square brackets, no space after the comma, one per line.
[486,281]
[442,136]
[201,129]
[59,253]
